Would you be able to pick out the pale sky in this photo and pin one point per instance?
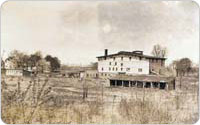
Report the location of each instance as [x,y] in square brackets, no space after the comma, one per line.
[76,32]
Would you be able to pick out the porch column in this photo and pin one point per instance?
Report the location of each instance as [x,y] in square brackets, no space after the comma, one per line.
[151,86]
[122,83]
[143,83]
[115,83]
[129,83]
[159,85]
[166,86]
[135,83]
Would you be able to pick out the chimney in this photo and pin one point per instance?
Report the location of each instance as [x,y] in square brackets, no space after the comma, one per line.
[138,52]
[106,53]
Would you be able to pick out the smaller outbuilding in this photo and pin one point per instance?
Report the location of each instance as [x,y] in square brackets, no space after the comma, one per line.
[72,73]
[143,81]
[17,72]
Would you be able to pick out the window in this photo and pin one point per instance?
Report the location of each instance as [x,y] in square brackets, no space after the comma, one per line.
[140,70]
[121,69]
[130,58]
[110,63]
[115,63]
[140,58]
[121,64]
[121,58]
[109,68]
[114,58]
[116,68]
[102,68]
[127,69]
[113,69]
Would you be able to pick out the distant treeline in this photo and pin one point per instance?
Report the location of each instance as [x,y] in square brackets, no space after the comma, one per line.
[23,60]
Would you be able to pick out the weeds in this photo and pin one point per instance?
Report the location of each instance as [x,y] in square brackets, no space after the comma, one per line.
[41,101]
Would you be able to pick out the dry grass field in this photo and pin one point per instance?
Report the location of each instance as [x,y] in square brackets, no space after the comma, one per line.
[69,101]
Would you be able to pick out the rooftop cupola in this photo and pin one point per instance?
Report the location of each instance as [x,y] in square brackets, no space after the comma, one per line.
[138,52]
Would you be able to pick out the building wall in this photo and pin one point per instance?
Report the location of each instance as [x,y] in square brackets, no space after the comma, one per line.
[135,65]
[156,65]
[91,73]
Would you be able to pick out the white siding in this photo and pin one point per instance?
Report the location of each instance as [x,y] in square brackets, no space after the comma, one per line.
[14,72]
[134,65]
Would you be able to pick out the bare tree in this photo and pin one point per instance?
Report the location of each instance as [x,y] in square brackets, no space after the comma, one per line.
[159,51]
[94,65]
[174,66]
[19,59]
[35,58]
[54,62]
[183,66]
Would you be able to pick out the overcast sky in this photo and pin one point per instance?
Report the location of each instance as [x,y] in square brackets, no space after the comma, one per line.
[76,32]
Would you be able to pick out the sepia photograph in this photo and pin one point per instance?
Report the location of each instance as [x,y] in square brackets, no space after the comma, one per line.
[100,62]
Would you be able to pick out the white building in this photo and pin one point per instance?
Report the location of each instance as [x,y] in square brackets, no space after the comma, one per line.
[129,63]
[14,72]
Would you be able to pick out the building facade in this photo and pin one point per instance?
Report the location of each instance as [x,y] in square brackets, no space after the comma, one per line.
[125,62]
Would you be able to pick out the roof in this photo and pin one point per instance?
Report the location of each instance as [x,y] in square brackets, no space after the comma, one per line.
[132,54]
[145,78]
[71,71]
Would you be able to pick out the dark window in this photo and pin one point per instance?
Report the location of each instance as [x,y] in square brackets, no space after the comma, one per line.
[130,58]
[121,69]
[121,58]
[109,68]
[127,69]
[115,63]
[110,63]
[162,85]
[147,85]
[102,68]
[116,69]
[140,70]
[113,69]
[121,64]
[114,58]
[140,58]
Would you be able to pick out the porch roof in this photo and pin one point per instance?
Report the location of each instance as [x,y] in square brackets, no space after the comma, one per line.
[143,78]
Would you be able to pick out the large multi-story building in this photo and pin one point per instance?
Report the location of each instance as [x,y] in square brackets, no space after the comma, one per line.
[125,62]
